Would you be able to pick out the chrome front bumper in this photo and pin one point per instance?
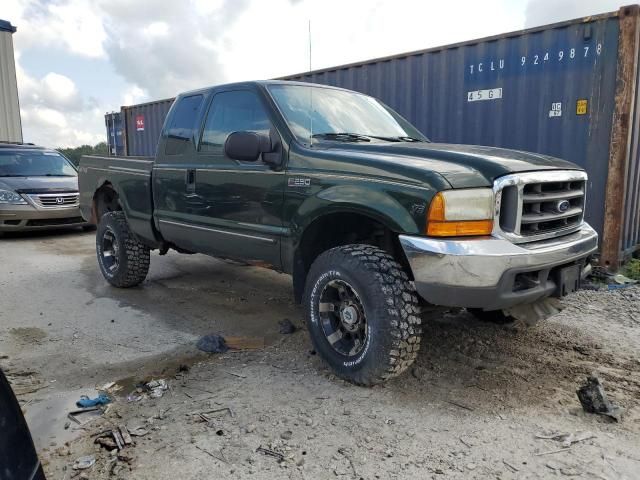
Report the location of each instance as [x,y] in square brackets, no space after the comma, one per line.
[488,272]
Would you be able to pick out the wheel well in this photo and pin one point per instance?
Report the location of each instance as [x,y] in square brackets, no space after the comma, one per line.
[105,200]
[338,229]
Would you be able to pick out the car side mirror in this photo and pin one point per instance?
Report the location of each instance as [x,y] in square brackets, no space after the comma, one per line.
[247,146]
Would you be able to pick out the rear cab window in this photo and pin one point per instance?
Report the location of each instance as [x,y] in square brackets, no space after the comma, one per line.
[184,122]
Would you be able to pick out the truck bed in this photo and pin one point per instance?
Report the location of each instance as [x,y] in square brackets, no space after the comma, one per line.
[130,177]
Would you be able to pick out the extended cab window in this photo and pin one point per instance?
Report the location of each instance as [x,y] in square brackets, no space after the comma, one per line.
[237,111]
[183,124]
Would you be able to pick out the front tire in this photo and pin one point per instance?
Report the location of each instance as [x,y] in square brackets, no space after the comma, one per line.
[362,314]
[123,260]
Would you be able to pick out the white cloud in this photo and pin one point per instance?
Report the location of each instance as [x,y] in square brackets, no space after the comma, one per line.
[542,12]
[72,25]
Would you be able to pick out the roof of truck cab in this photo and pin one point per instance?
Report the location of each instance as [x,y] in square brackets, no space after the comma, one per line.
[264,83]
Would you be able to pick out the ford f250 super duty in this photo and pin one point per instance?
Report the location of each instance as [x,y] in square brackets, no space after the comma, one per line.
[370,218]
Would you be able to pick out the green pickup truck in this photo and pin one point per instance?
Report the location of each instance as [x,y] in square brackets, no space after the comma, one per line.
[370,218]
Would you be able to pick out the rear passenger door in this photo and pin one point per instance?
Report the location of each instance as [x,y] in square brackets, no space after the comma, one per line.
[236,208]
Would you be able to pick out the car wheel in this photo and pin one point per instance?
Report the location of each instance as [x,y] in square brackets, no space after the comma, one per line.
[362,314]
[124,261]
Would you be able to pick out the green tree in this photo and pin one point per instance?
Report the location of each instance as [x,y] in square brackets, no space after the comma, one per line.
[75,153]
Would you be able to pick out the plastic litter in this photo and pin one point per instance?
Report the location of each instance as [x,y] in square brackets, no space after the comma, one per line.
[86,402]
[212,344]
[594,400]
[157,388]
[83,463]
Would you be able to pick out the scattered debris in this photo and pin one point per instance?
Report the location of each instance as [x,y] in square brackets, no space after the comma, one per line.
[157,388]
[515,469]
[270,453]
[221,457]
[84,415]
[137,431]
[567,439]
[594,400]
[460,405]
[239,375]
[212,344]
[287,327]
[560,450]
[86,402]
[84,463]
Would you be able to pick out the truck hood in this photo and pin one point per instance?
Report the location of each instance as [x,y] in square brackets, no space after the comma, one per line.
[39,184]
[462,166]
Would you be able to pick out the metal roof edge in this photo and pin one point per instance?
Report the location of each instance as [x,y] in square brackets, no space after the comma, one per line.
[164,100]
[5,26]
[515,33]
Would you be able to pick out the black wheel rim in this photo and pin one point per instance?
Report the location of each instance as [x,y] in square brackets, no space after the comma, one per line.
[342,318]
[110,249]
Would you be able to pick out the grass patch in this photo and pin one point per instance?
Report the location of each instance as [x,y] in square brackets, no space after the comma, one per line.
[632,269]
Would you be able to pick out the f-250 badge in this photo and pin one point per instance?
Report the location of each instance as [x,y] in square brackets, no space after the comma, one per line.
[299,182]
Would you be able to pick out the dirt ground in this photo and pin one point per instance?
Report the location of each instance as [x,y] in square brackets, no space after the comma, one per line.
[473,406]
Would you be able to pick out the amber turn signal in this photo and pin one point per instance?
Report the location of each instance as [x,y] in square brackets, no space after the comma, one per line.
[439,226]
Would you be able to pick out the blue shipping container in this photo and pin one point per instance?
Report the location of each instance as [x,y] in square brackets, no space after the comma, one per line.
[142,126]
[553,90]
[115,133]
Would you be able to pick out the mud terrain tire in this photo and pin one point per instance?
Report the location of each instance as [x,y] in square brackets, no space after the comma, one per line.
[366,283]
[123,260]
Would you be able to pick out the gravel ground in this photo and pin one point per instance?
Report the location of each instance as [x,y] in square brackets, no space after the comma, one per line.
[472,406]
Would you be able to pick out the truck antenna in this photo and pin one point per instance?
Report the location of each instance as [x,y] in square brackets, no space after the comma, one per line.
[310,94]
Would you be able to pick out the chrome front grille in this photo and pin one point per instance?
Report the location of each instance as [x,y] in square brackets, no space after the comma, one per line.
[538,205]
[55,200]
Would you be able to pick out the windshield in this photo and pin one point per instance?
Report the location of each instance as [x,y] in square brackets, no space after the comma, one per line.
[34,163]
[339,115]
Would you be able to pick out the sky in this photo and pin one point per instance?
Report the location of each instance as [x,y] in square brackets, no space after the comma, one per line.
[78,59]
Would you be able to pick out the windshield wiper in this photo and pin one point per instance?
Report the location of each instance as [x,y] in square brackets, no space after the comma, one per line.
[396,139]
[342,136]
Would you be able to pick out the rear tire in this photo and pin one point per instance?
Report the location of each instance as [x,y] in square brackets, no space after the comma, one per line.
[123,260]
[362,314]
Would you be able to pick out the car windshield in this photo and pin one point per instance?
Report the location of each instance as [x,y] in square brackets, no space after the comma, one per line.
[340,115]
[34,163]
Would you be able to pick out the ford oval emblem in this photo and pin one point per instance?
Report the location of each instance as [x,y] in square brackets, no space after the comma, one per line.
[562,206]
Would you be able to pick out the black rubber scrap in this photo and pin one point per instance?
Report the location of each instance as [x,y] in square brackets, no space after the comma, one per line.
[594,400]
[212,344]
[287,327]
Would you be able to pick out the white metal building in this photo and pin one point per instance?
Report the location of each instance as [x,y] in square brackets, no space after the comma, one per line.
[10,123]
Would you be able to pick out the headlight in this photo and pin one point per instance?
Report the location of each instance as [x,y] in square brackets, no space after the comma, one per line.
[457,213]
[12,198]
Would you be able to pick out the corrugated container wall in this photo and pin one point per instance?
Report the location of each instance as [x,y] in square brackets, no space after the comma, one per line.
[551,90]
[143,125]
[10,123]
[115,133]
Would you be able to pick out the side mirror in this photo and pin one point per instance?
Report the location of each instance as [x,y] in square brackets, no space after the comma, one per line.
[247,146]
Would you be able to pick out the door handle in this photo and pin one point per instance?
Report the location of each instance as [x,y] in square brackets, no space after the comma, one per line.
[191,180]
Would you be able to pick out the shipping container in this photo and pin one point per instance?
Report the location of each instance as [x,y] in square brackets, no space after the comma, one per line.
[569,90]
[115,133]
[10,123]
[142,125]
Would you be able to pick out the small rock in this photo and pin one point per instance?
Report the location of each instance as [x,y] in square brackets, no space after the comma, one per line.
[250,428]
[286,327]
[286,435]
[471,466]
